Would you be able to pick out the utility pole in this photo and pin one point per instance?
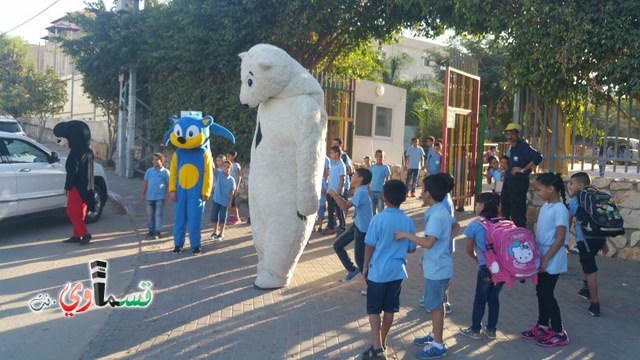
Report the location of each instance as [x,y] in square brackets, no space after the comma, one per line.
[122,119]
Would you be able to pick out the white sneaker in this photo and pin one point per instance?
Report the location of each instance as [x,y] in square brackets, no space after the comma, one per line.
[364,292]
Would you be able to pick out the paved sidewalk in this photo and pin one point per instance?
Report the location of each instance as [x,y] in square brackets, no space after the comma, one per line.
[206,307]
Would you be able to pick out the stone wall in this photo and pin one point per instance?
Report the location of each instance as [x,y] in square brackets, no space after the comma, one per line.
[627,196]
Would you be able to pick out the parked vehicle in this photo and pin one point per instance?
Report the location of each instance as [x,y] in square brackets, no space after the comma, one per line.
[32,179]
[621,147]
[9,124]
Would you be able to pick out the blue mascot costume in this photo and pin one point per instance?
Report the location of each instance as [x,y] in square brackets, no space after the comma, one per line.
[191,176]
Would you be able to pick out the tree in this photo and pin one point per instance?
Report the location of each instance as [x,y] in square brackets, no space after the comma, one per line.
[46,95]
[13,71]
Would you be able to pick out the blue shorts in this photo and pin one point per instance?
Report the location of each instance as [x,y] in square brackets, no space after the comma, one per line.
[434,293]
[383,297]
[218,213]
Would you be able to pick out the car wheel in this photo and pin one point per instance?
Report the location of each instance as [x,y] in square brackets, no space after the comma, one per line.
[101,200]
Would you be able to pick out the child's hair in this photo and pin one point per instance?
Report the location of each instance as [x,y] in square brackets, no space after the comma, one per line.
[438,185]
[232,153]
[555,180]
[338,140]
[365,174]
[335,149]
[367,157]
[491,158]
[221,156]
[582,177]
[504,157]
[414,139]
[432,139]
[159,155]
[228,162]
[491,202]
[395,191]
[437,144]
[379,152]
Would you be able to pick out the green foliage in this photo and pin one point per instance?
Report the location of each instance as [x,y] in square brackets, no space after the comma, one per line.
[428,109]
[14,69]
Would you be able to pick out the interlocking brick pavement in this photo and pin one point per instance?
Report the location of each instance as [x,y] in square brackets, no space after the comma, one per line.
[206,307]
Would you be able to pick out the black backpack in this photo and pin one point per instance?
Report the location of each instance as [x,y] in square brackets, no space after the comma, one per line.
[598,215]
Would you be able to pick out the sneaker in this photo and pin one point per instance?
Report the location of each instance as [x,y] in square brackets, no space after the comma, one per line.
[536,332]
[432,352]
[85,239]
[447,308]
[373,354]
[328,231]
[594,309]
[157,235]
[196,251]
[214,236]
[150,233]
[491,334]
[364,292]
[232,220]
[413,194]
[177,250]
[554,339]
[421,302]
[584,292]
[351,275]
[471,333]
[423,341]
[72,240]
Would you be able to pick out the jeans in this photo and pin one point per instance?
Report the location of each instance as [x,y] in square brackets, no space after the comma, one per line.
[347,237]
[377,204]
[513,199]
[218,213]
[412,174]
[486,293]
[155,210]
[548,309]
[334,210]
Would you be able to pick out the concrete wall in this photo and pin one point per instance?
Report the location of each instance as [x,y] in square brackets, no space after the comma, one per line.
[394,98]
[627,195]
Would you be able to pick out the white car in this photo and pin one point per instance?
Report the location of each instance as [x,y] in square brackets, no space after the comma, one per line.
[32,179]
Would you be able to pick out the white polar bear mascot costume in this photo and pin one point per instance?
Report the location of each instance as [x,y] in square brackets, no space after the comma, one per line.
[287,158]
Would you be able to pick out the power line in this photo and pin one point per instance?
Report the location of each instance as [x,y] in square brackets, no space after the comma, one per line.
[31,18]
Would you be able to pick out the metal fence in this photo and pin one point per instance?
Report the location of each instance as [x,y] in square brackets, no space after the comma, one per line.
[601,129]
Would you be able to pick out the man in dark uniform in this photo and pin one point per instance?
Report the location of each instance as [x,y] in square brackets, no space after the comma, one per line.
[522,159]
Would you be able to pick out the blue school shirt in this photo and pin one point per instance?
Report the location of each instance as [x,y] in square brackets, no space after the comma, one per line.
[495,174]
[363,211]
[448,203]
[414,153]
[337,169]
[224,185]
[433,163]
[550,217]
[157,182]
[437,263]
[378,174]
[478,233]
[234,171]
[520,156]
[389,258]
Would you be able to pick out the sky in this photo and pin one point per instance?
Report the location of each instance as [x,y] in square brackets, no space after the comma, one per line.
[15,12]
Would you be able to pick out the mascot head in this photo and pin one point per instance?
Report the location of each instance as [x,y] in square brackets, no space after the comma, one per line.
[192,131]
[269,72]
[76,132]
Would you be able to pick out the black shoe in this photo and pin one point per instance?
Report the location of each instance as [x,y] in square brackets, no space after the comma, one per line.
[72,240]
[584,292]
[177,250]
[157,235]
[196,251]
[594,309]
[85,239]
[150,234]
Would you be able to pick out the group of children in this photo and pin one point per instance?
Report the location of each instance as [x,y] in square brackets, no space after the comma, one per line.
[391,236]
[227,178]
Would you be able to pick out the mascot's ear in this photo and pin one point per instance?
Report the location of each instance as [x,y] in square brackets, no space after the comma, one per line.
[265,64]
[174,119]
[207,121]
[242,55]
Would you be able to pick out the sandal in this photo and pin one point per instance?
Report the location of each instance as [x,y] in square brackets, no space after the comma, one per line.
[372,353]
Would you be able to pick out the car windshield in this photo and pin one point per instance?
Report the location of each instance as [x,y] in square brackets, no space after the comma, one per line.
[11,127]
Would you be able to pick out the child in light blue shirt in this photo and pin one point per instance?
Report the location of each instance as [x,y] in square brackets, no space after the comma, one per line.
[155,195]
[380,173]
[437,264]
[225,187]
[434,160]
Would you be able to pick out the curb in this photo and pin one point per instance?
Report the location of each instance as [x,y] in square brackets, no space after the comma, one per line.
[120,202]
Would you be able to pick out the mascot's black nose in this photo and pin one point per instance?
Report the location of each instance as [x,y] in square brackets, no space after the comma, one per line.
[182,140]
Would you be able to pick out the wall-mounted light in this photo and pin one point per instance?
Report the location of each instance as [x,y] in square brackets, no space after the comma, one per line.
[379,90]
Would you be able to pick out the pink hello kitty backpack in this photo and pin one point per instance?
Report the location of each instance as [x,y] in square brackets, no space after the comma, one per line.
[511,252]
